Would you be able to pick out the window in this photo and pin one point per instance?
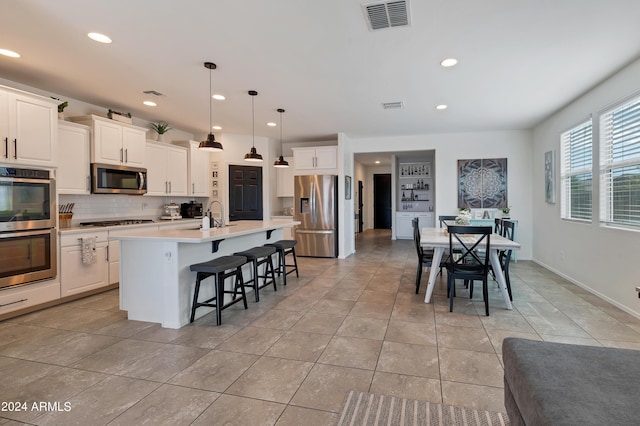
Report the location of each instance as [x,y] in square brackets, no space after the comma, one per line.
[620,165]
[576,176]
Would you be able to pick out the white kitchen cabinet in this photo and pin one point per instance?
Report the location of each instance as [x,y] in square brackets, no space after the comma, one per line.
[113,142]
[197,169]
[76,276]
[404,226]
[28,128]
[316,160]
[25,296]
[74,175]
[166,169]
[284,179]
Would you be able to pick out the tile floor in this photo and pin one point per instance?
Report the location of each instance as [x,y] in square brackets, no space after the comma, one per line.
[290,359]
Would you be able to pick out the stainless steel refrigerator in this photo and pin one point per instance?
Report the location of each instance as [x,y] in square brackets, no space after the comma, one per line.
[316,207]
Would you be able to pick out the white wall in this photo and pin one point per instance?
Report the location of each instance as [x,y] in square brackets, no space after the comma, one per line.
[515,145]
[601,259]
[346,232]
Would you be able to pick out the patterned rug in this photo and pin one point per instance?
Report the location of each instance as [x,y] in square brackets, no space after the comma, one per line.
[372,410]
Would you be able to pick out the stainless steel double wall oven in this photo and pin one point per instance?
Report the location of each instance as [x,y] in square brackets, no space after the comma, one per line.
[27,226]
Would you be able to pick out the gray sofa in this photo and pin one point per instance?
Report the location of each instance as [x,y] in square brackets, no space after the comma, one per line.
[560,384]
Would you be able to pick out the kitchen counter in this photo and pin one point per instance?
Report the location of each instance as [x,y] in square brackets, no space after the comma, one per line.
[76,229]
[156,284]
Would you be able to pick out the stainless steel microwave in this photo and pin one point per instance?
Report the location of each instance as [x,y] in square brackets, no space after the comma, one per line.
[110,179]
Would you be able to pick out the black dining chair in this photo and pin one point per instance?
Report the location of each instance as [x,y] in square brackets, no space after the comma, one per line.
[472,264]
[442,219]
[425,257]
[497,228]
[508,231]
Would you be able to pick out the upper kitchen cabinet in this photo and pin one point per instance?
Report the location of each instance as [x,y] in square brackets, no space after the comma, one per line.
[284,179]
[316,160]
[28,128]
[166,169]
[198,169]
[115,143]
[74,175]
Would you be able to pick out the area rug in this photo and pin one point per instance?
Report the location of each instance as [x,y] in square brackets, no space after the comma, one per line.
[372,410]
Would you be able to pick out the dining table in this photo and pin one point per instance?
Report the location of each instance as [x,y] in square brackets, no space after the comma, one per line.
[438,240]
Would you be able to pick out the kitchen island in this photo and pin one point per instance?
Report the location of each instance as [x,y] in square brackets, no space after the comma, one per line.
[156,284]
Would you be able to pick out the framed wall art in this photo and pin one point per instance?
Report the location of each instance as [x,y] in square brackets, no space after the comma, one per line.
[550,177]
[482,183]
[347,187]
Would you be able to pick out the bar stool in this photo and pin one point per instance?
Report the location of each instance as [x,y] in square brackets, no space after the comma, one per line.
[260,256]
[285,247]
[221,269]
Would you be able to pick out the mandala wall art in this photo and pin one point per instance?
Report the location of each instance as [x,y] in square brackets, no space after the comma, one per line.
[482,183]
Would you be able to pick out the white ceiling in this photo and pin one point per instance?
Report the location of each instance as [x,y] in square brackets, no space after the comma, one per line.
[519,61]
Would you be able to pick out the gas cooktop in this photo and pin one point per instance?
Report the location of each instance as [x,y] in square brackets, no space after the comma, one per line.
[117,222]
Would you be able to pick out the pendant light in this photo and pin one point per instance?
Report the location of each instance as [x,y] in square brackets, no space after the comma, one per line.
[210,144]
[281,162]
[253,154]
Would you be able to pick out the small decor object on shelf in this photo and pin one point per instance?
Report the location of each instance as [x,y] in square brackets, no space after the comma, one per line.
[505,212]
[464,217]
[61,107]
[160,128]
[124,117]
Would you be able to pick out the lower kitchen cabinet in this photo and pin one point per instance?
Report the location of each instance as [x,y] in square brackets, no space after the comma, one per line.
[14,299]
[404,227]
[76,276]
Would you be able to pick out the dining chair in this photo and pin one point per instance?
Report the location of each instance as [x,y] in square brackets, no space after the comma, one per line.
[508,231]
[425,256]
[497,229]
[472,264]
[442,219]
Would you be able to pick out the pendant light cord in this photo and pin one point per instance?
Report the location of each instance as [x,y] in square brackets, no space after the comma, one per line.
[281,149]
[253,124]
[210,102]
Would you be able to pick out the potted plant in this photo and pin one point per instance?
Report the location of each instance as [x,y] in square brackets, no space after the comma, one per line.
[61,108]
[505,212]
[160,128]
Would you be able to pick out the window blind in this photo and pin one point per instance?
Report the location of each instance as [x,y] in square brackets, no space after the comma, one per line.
[576,174]
[620,165]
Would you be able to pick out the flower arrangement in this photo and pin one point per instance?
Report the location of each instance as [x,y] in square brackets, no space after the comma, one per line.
[464,217]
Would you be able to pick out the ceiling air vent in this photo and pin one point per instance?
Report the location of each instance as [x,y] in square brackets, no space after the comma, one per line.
[388,14]
[153,92]
[392,105]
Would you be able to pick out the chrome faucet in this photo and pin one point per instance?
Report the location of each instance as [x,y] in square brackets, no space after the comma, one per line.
[219,223]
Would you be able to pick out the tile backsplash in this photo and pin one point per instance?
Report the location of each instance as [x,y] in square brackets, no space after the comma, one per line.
[89,207]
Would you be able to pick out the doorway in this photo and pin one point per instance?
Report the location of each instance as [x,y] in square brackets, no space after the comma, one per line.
[382,201]
[245,193]
[360,205]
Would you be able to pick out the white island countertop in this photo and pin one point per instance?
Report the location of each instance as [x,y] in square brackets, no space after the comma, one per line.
[196,235]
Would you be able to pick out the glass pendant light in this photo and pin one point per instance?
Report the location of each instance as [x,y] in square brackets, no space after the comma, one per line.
[253,154]
[210,144]
[281,162]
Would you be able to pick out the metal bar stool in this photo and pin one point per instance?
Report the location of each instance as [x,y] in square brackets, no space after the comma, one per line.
[221,269]
[285,247]
[260,256]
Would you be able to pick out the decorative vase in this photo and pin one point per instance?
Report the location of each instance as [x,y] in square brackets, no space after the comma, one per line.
[160,137]
[61,116]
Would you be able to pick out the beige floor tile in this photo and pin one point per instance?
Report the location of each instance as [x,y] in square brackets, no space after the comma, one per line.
[18,373]
[253,340]
[158,334]
[478,368]
[375,296]
[278,319]
[366,328]
[201,336]
[497,336]
[411,332]
[333,306]
[296,416]
[408,359]
[236,410]
[124,328]
[271,379]
[410,387]
[472,339]
[315,322]
[573,340]
[351,352]
[297,303]
[215,371]
[413,312]
[300,346]
[168,405]
[473,396]
[102,402]
[372,310]
[327,385]
[343,293]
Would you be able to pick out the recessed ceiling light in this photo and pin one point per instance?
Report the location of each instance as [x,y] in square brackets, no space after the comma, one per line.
[377,161]
[271,124]
[100,38]
[449,62]
[441,106]
[9,53]
[149,103]
[219,97]
[216,128]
